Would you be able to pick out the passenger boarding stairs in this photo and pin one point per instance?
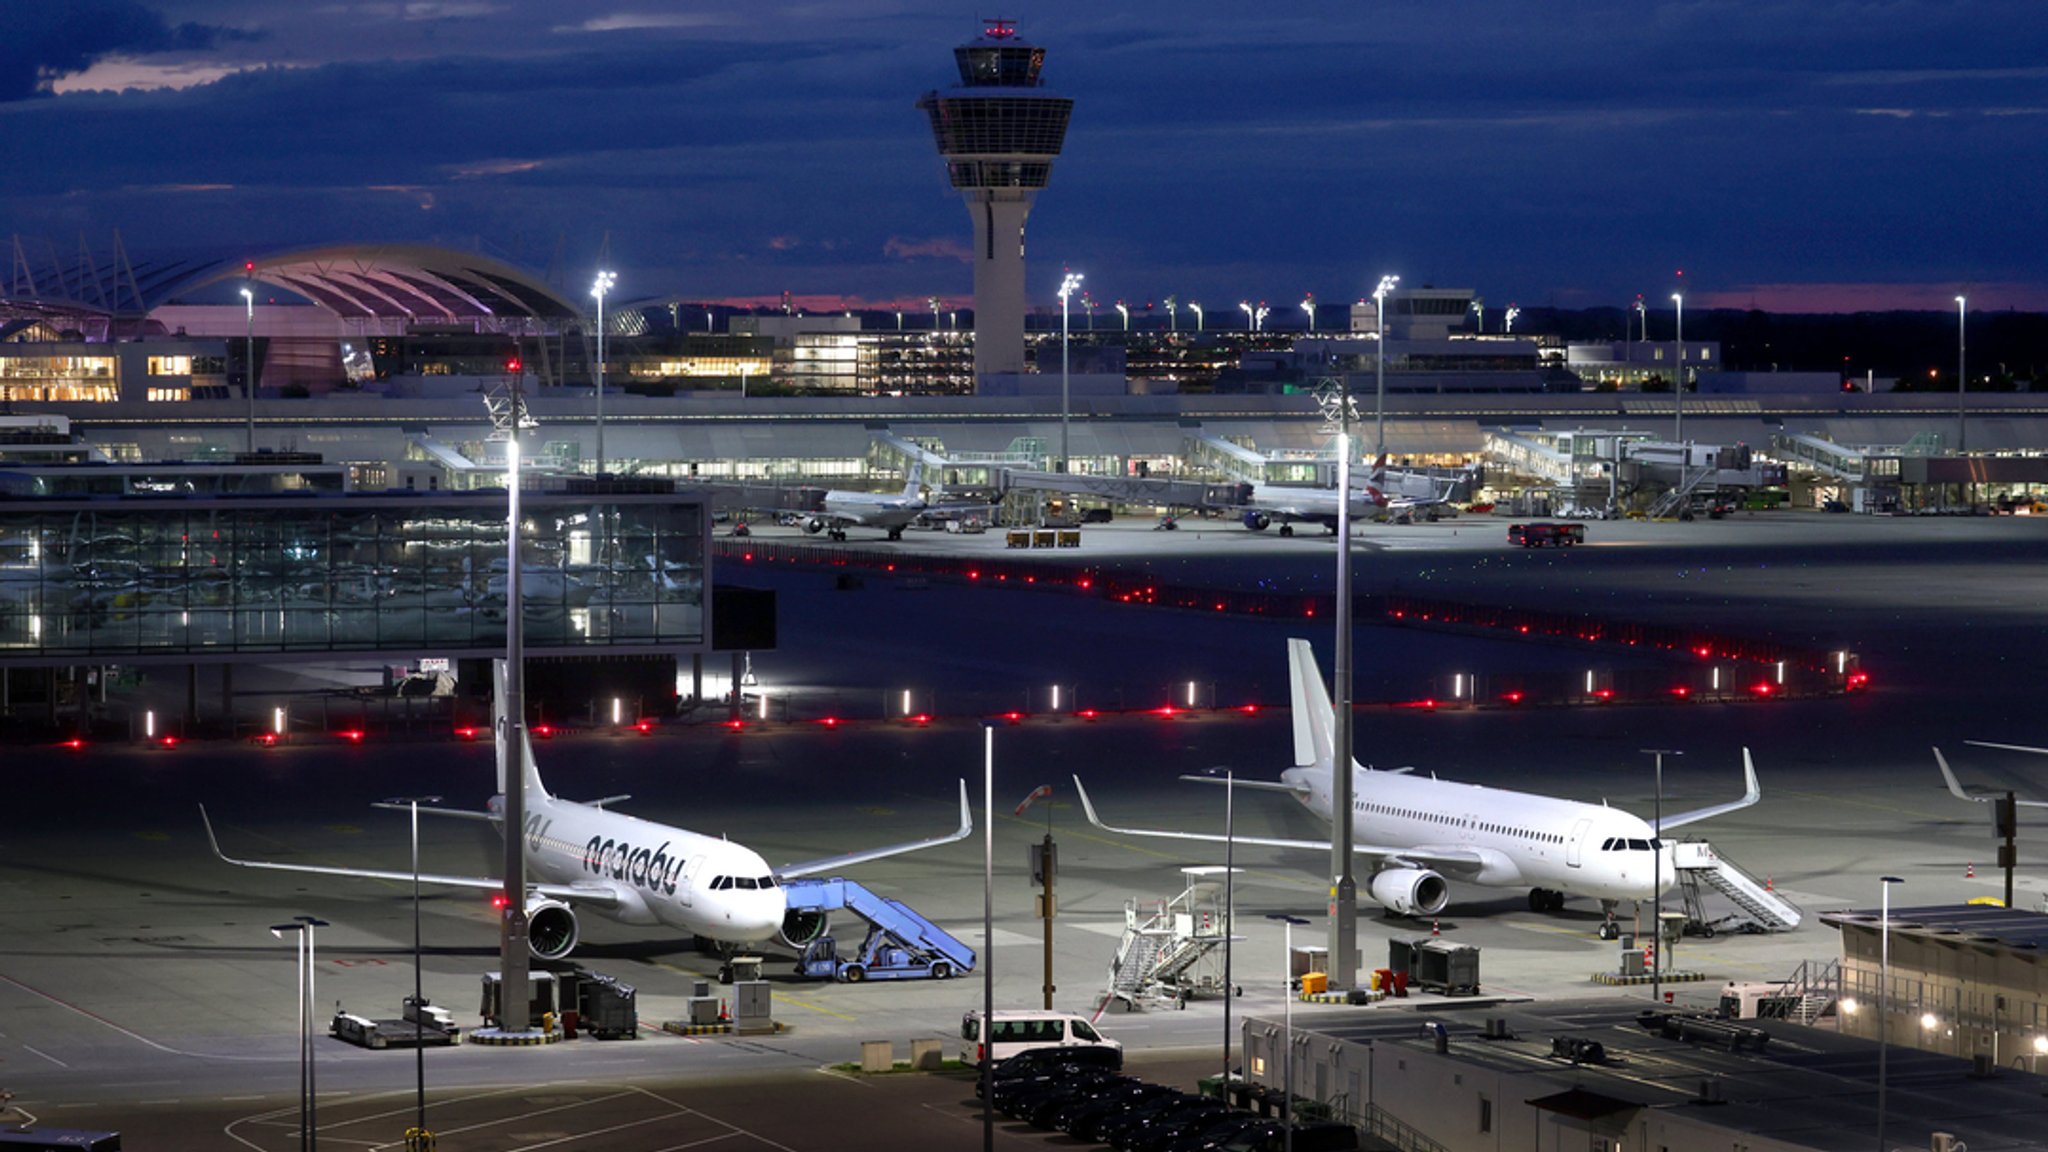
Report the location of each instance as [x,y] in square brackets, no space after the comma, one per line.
[928,948]
[1167,952]
[1698,864]
[1676,497]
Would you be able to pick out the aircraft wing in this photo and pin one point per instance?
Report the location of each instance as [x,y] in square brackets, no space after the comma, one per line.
[1451,859]
[433,810]
[1751,794]
[1956,786]
[592,895]
[832,863]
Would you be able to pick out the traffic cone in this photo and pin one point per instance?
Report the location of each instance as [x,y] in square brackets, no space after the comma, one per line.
[1433,931]
[1767,885]
[1969,871]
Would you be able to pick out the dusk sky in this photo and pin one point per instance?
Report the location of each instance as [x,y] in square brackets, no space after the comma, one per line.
[1795,155]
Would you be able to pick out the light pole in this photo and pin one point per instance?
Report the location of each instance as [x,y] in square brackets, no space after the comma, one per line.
[1259,317]
[1643,316]
[308,1096]
[1962,377]
[1379,409]
[1196,308]
[1678,390]
[1657,880]
[899,320]
[1068,286]
[249,375]
[419,1000]
[1229,903]
[604,283]
[1287,1059]
[1479,310]
[1308,305]
[1884,992]
[933,301]
[1245,306]
[1507,327]
[1172,323]
[1125,312]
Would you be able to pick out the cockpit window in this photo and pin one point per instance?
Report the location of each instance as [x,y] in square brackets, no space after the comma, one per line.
[767,882]
[721,883]
[746,882]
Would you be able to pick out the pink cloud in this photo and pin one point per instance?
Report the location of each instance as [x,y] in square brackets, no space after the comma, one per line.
[947,247]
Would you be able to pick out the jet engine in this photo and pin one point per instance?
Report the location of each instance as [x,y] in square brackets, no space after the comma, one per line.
[1257,521]
[800,926]
[550,928]
[814,525]
[1410,891]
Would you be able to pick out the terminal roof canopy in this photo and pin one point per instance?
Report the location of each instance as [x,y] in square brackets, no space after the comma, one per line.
[414,282]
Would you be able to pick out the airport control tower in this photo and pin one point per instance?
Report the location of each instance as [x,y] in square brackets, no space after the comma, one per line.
[998,131]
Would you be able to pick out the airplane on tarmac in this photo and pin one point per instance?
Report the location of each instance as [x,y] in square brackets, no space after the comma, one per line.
[840,510]
[581,856]
[1395,493]
[1420,832]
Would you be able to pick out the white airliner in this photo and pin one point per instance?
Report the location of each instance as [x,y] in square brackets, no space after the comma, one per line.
[1397,494]
[585,857]
[841,510]
[1418,830]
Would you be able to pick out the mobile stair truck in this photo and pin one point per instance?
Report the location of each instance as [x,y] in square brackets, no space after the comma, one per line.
[900,944]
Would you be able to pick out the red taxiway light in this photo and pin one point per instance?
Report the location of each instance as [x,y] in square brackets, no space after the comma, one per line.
[1248,709]
[1604,694]
[74,742]
[1681,690]
[1512,697]
[829,721]
[735,723]
[921,718]
[1013,717]
[1087,713]
[544,731]
[352,735]
[468,732]
[1763,688]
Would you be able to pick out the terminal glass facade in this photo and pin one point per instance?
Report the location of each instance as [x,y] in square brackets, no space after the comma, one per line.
[217,578]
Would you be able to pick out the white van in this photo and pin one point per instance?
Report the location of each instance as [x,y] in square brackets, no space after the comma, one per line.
[1024,1029]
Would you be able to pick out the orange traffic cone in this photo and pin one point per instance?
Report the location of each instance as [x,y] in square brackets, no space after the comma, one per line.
[1969,871]
[1767,885]
[1433,928]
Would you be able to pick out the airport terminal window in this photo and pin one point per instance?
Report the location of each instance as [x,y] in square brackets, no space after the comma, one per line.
[227,577]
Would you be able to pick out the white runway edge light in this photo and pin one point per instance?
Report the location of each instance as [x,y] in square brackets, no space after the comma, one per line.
[277,721]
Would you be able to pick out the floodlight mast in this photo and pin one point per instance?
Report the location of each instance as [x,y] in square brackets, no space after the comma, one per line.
[508,418]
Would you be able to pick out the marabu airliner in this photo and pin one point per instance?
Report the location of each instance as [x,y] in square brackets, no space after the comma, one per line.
[1418,830]
[585,857]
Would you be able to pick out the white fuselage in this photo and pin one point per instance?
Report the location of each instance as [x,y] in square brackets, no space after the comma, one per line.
[665,875]
[870,510]
[1526,840]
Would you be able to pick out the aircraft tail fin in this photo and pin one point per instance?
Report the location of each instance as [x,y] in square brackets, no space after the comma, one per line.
[915,482]
[501,728]
[1315,721]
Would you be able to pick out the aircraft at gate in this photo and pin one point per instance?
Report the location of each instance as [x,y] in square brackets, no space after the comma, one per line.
[892,514]
[585,857]
[1420,832]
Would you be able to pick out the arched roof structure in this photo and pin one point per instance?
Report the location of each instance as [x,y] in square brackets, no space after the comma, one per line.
[415,282]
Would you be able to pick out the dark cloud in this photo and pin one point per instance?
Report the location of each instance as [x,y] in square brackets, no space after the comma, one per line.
[41,41]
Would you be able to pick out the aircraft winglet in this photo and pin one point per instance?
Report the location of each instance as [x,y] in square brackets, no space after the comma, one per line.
[1751,793]
[1955,786]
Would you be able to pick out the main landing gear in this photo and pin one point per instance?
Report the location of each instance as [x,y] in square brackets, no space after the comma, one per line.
[1545,900]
